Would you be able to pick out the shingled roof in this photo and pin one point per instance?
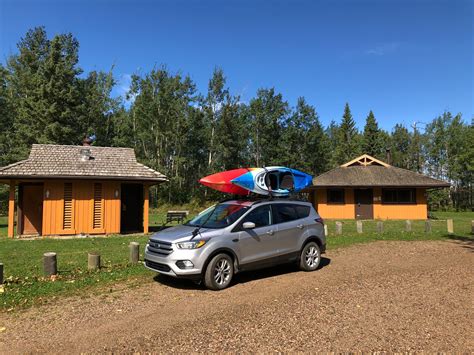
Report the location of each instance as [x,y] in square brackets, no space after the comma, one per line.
[85,162]
[366,171]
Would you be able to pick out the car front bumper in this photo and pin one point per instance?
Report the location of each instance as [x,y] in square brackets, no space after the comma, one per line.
[167,264]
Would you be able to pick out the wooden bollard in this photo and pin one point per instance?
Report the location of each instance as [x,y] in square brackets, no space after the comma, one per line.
[408,225]
[93,261]
[1,274]
[427,226]
[338,228]
[325,230]
[134,252]
[379,227]
[359,227]
[450,226]
[472,227]
[50,264]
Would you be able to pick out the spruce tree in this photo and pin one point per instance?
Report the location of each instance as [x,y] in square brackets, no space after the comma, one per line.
[348,142]
[372,138]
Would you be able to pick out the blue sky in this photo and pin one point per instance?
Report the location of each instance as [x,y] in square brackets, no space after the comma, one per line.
[406,60]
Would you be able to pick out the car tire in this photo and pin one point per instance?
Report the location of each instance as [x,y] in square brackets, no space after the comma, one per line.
[219,272]
[310,257]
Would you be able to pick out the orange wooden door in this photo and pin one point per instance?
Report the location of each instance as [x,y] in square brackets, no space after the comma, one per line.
[32,209]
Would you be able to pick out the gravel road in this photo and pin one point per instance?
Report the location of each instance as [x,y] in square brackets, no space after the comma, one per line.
[383,296]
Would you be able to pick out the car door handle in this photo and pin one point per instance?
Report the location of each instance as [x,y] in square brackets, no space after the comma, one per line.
[270,232]
[300,226]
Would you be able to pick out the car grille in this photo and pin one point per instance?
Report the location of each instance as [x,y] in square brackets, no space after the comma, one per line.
[159,247]
[157,266]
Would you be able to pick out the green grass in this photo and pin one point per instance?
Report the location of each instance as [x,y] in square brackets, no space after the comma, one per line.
[26,286]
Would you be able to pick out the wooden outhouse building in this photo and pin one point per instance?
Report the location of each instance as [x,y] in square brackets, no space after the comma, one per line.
[70,190]
[368,188]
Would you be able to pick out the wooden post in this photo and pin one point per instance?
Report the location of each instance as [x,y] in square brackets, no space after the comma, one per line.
[326,230]
[11,210]
[1,274]
[146,204]
[450,226]
[359,227]
[134,252]
[379,227]
[338,228]
[93,261]
[427,226]
[472,226]
[50,264]
[408,225]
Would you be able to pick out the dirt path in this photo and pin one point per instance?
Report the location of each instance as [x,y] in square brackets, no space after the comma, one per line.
[393,296]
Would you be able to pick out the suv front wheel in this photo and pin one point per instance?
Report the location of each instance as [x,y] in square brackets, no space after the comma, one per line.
[310,257]
[219,272]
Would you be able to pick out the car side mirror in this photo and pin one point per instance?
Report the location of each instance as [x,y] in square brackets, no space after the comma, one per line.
[248,225]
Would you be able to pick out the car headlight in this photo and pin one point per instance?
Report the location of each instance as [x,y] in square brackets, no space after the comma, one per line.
[194,244]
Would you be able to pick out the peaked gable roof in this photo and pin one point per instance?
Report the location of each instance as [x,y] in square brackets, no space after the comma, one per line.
[366,171]
[71,161]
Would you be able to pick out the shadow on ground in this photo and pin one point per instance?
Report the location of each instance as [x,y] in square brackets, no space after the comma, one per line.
[465,242]
[240,278]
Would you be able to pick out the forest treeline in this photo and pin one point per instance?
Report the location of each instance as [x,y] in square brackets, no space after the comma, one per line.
[45,97]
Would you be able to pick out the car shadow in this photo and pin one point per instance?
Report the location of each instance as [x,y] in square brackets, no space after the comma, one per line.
[465,242]
[240,278]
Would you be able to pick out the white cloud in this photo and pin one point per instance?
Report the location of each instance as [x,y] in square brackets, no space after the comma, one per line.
[383,49]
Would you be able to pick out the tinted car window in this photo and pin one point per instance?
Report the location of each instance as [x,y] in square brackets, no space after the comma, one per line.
[285,212]
[302,211]
[219,216]
[261,216]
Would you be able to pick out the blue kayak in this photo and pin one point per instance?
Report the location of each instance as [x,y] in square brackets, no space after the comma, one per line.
[274,180]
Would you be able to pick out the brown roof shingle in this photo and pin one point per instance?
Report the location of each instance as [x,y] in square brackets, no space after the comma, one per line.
[64,161]
[375,175]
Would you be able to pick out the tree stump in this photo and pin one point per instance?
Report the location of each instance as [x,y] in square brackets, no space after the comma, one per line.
[427,226]
[450,226]
[338,228]
[50,264]
[359,227]
[379,227]
[134,252]
[408,225]
[93,261]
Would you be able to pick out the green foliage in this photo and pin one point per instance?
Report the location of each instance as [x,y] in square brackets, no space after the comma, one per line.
[372,140]
[348,144]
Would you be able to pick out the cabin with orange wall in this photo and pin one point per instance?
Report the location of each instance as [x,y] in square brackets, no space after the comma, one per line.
[367,188]
[71,190]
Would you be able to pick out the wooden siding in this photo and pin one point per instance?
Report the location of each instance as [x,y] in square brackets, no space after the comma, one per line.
[89,212]
[339,211]
[11,209]
[419,210]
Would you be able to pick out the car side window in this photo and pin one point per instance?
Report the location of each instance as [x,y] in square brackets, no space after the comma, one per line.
[285,212]
[302,211]
[261,216]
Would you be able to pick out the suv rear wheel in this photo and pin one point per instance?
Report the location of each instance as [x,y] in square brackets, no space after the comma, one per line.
[310,257]
[219,272]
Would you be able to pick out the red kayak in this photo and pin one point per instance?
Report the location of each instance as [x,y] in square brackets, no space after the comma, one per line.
[221,181]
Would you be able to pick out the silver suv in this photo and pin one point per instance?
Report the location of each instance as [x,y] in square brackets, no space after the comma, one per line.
[238,235]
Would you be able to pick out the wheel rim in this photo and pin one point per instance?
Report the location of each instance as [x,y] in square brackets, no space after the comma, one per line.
[222,272]
[312,256]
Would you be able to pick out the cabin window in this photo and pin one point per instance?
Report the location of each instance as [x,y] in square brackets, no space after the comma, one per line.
[336,196]
[98,206]
[67,214]
[399,196]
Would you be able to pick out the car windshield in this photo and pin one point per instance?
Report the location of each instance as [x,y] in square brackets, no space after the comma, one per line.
[218,216]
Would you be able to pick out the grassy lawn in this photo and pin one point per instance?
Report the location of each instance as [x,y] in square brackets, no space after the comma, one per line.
[26,286]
